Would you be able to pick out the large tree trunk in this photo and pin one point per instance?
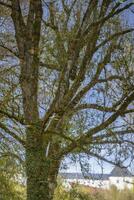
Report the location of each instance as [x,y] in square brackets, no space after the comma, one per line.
[41,170]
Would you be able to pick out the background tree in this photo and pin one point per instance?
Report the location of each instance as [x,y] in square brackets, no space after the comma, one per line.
[64,86]
[11,187]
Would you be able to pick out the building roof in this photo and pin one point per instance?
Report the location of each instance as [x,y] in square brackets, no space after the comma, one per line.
[116,172]
[120,172]
[87,176]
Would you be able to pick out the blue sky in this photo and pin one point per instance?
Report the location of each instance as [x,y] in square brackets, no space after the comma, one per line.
[94,167]
[127,17]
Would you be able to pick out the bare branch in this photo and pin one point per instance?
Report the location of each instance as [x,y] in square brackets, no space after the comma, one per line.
[115,35]
[94,106]
[88,135]
[101,158]
[100,67]
[6,5]
[11,116]
[111,78]
[110,134]
[10,50]
[110,15]
[50,66]
[12,134]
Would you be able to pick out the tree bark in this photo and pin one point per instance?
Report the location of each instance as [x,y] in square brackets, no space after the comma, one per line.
[41,170]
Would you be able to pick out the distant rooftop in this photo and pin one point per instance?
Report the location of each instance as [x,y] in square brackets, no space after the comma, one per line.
[120,172]
[87,176]
[116,172]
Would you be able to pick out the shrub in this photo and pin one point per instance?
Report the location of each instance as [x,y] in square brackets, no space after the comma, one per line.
[78,192]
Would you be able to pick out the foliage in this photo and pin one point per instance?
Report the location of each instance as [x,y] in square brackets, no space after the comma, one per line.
[64,86]
[86,193]
[10,188]
[73,194]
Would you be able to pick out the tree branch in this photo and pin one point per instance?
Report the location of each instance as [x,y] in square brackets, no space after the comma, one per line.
[101,158]
[12,134]
[88,135]
[10,50]
[94,106]
[110,15]
[50,66]
[111,78]
[115,35]
[6,5]
[100,67]
[11,116]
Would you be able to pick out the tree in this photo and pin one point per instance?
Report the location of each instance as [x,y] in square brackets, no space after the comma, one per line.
[64,60]
[10,188]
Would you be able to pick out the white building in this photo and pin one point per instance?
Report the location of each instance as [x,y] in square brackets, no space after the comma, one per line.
[119,177]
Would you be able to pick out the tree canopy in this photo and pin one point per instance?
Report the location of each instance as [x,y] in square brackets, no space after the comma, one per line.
[67,83]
